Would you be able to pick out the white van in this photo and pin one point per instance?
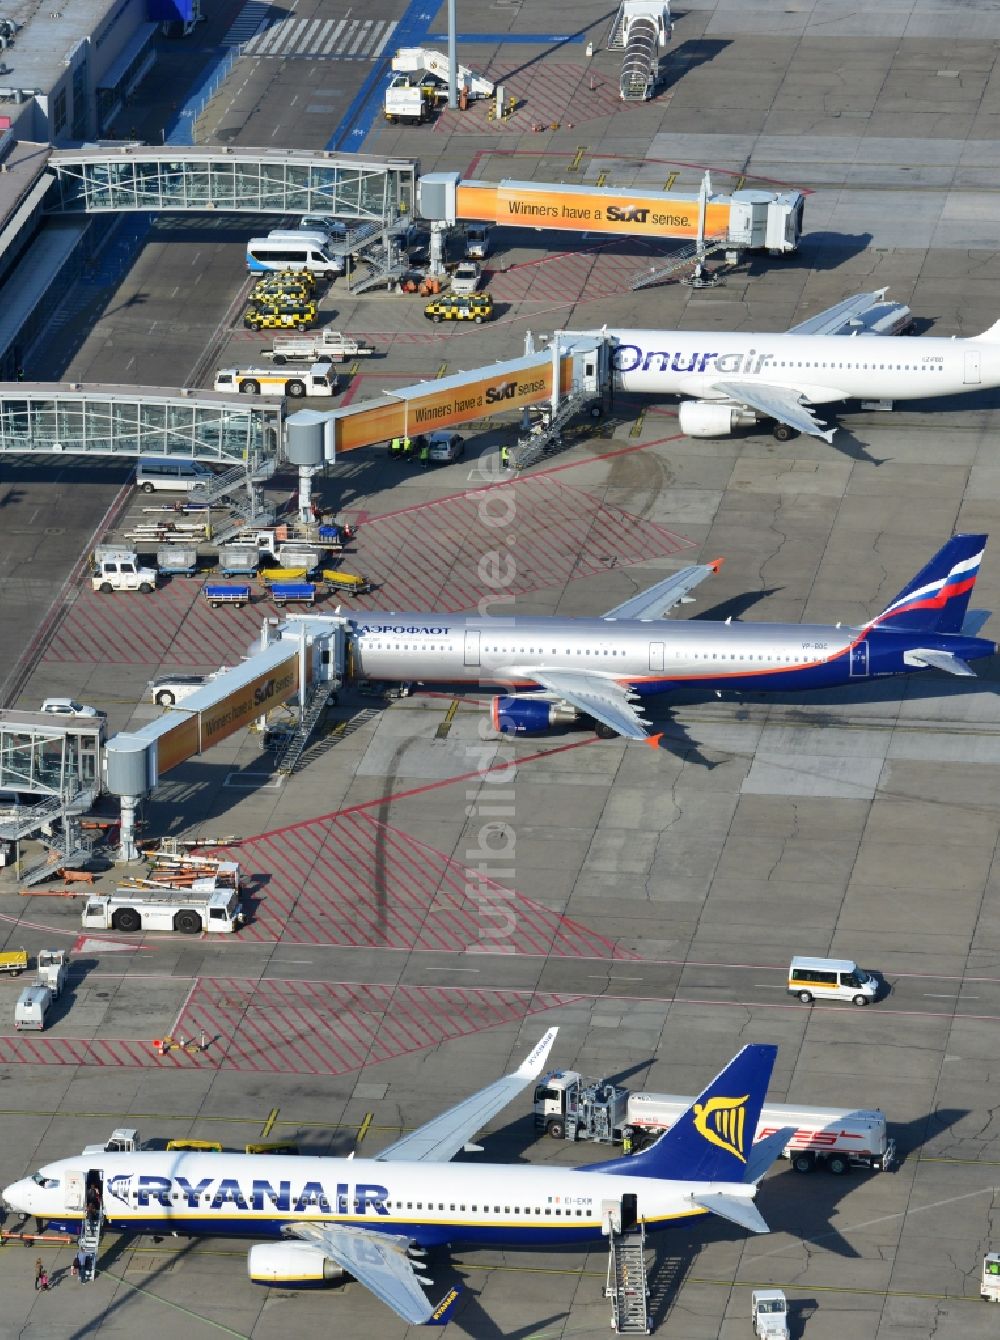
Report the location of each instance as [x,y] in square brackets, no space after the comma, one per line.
[171,473]
[32,1006]
[830,979]
[292,251]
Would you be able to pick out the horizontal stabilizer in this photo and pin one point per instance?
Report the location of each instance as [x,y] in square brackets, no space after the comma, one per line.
[737,1211]
[939,660]
[765,1151]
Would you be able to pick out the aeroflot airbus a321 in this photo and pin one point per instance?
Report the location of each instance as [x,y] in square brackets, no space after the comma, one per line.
[599,670]
[370,1218]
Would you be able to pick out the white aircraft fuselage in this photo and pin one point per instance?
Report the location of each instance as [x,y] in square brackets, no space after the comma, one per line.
[821,368]
[254,1195]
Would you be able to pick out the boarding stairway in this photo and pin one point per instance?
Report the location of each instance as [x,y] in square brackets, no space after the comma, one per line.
[67,847]
[693,255]
[641,29]
[626,1283]
[339,733]
[545,436]
[89,1241]
[378,247]
[294,746]
[222,485]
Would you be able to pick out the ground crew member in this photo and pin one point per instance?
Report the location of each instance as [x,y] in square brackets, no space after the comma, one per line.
[505,457]
[396,446]
[407,448]
[20,374]
[425,454]
[627,1140]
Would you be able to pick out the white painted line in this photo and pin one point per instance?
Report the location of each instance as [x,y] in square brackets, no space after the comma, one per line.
[384,42]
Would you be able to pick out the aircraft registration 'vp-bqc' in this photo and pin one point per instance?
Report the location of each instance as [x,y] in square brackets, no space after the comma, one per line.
[372,1218]
[740,378]
[599,670]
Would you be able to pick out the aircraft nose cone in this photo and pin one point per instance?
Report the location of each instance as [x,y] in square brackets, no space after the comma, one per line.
[16,1196]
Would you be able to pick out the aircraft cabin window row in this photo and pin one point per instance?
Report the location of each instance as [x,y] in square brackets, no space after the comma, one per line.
[867,367]
[507,1209]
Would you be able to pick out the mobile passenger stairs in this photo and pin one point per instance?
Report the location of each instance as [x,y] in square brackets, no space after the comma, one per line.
[89,1241]
[641,29]
[240,489]
[626,1284]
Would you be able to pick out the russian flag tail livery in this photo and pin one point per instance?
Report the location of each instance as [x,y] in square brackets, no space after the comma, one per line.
[937,599]
[712,1141]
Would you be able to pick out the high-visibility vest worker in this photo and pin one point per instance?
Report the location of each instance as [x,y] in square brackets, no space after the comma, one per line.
[407,447]
[395,446]
[505,458]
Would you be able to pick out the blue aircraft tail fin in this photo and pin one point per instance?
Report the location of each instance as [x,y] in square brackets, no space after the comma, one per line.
[711,1141]
[937,599]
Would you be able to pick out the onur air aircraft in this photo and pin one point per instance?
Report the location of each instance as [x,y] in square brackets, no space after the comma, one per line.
[322,1218]
[599,670]
[735,378]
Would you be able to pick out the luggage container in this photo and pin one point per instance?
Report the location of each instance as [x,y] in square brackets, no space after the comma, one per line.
[216,593]
[297,593]
[238,560]
[177,561]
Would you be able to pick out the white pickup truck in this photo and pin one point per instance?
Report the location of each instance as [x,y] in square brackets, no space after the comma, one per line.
[310,346]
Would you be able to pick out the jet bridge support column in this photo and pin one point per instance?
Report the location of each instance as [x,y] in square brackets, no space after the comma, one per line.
[131,775]
[304,447]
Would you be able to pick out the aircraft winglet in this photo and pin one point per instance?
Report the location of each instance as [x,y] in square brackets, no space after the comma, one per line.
[531,1066]
[442,1313]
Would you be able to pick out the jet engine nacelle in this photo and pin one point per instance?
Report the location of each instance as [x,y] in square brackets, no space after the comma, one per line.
[521,715]
[711,418]
[291,1263]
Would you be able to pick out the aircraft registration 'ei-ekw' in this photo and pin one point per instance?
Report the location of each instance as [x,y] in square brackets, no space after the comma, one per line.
[741,377]
[598,670]
[372,1218]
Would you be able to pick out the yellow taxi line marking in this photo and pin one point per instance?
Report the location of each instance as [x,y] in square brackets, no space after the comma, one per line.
[577,159]
[365,1126]
[670,181]
[354,369]
[602,178]
[442,731]
[268,1126]
[740,184]
[441,371]
[636,428]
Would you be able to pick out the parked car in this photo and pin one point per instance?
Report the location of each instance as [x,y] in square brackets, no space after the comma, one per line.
[69,707]
[466,277]
[444,446]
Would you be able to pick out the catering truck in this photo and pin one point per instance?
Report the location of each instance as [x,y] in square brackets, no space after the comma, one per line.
[567,1107]
[218,912]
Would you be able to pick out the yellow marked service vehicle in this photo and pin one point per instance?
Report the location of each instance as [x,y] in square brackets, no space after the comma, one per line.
[476,307]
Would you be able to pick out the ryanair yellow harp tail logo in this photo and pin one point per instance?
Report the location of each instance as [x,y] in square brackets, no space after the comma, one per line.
[721,1122]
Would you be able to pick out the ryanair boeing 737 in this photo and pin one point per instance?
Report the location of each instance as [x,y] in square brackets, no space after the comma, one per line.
[599,670]
[373,1218]
[733,378]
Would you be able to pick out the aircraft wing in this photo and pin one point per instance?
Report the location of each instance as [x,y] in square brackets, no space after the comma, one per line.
[441,1139]
[659,600]
[603,699]
[834,320]
[380,1262]
[777,402]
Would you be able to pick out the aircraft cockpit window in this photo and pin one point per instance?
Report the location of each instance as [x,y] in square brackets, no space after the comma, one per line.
[48,1183]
